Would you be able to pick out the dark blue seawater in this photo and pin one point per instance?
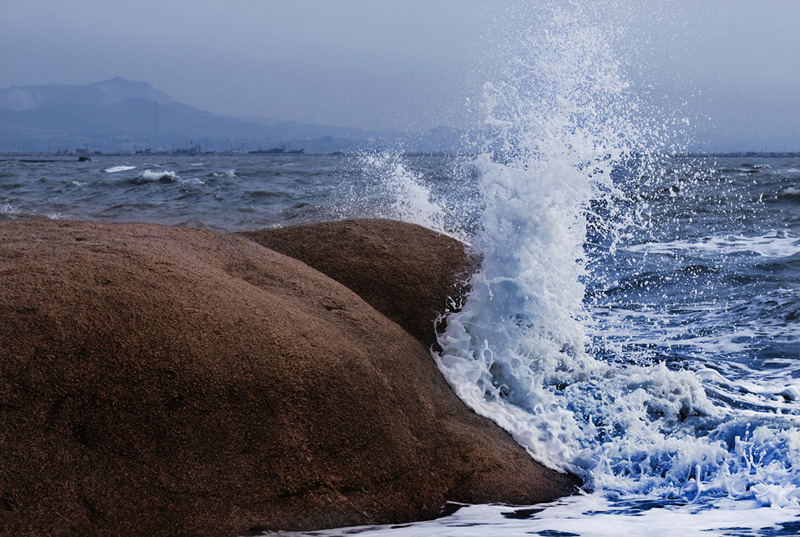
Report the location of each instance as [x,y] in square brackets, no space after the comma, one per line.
[708,274]
[224,193]
[687,414]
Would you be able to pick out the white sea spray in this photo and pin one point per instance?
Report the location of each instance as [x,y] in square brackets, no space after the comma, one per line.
[410,197]
[518,352]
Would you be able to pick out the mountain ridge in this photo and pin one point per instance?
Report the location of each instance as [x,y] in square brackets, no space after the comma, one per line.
[105,92]
[34,117]
[126,115]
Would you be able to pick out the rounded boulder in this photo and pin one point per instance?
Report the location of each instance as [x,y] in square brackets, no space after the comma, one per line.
[176,381]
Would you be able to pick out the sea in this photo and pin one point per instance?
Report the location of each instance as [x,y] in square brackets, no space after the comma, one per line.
[636,315]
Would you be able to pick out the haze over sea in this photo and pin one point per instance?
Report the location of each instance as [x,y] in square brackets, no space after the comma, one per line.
[636,317]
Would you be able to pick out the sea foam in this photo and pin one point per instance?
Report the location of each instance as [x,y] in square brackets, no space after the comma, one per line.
[770,245]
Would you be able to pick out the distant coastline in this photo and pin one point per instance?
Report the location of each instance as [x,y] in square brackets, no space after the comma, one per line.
[183,152]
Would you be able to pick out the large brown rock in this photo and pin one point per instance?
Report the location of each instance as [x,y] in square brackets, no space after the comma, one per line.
[160,381]
[407,272]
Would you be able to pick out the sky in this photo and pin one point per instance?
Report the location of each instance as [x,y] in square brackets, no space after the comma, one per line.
[731,66]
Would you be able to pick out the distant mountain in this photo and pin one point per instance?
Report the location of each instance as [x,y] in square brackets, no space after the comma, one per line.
[126,115]
[134,117]
[99,94]
[120,114]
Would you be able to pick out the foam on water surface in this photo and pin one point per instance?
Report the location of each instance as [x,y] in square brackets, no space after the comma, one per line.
[595,516]
[8,209]
[771,245]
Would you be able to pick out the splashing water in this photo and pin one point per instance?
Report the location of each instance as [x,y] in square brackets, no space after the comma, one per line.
[559,127]
[411,199]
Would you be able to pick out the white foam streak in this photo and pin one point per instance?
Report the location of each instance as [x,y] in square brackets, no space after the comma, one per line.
[590,516]
[122,168]
[770,245]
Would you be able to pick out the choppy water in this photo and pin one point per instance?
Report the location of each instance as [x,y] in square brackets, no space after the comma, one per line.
[691,312]
[636,318]
[233,193]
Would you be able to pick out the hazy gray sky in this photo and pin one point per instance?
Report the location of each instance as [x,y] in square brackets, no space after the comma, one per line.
[399,64]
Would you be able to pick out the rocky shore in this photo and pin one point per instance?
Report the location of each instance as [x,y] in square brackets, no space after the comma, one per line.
[176,381]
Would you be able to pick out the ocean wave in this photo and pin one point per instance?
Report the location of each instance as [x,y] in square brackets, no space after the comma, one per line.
[7,209]
[150,176]
[263,194]
[524,350]
[231,173]
[650,280]
[121,168]
[791,192]
[194,181]
[749,166]
[770,245]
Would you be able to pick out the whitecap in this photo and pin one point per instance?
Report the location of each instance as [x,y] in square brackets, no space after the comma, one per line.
[9,209]
[194,181]
[158,175]
[121,168]
[231,173]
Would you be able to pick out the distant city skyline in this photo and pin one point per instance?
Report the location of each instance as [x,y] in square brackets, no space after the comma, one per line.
[730,67]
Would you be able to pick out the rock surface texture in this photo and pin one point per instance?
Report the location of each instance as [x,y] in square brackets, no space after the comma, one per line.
[174,381]
[405,271]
